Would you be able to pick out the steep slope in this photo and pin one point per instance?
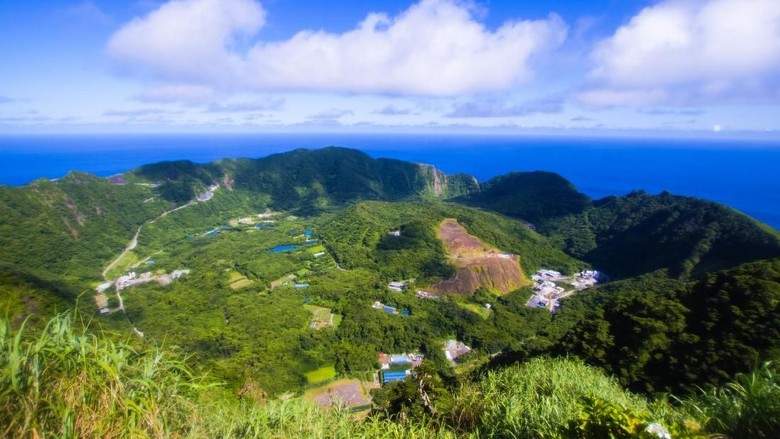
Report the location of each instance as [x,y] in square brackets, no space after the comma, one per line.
[640,233]
[537,197]
[69,227]
[477,264]
[681,334]
[631,235]
[315,179]
[359,237]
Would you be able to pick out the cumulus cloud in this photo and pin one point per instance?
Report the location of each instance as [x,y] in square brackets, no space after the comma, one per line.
[494,108]
[435,47]
[188,40]
[684,52]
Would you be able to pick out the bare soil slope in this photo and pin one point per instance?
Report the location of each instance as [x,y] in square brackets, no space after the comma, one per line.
[477,264]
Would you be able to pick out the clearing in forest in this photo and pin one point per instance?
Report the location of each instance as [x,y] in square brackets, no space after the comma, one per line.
[321,316]
[321,375]
[477,264]
[238,281]
[344,393]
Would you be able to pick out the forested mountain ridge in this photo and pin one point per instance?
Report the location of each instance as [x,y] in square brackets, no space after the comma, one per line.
[633,234]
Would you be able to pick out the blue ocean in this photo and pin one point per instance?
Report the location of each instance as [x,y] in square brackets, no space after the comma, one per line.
[742,174]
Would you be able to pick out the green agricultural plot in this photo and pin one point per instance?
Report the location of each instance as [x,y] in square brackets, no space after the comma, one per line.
[477,309]
[238,281]
[321,375]
[316,249]
[321,316]
[123,265]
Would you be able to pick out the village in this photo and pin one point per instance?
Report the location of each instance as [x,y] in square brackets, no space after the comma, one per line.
[354,394]
[548,291]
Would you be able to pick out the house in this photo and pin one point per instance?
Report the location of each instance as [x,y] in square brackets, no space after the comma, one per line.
[400,360]
[389,376]
[395,233]
[384,361]
[397,286]
[454,349]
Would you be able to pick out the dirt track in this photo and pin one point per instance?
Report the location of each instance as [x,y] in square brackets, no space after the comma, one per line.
[477,264]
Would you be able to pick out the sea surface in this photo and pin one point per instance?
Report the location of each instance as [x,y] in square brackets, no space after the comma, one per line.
[742,174]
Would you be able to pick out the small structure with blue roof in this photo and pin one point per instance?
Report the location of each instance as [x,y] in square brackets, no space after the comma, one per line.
[390,376]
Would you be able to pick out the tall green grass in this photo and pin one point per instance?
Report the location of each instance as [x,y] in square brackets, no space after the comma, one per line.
[67,382]
[62,381]
[747,407]
[543,397]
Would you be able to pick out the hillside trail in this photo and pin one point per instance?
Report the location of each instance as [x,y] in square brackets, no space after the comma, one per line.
[132,245]
[134,241]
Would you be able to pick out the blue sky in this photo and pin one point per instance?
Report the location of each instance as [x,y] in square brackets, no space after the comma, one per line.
[672,67]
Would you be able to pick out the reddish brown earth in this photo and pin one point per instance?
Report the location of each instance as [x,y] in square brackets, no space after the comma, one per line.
[477,264]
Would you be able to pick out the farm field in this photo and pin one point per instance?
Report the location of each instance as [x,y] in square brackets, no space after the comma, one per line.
[321,375]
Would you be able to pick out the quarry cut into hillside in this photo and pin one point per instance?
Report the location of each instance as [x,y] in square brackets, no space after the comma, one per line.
[477,264]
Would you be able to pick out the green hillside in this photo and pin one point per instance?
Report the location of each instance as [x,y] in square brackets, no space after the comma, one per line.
[222,265]
[681,334]
[631,235]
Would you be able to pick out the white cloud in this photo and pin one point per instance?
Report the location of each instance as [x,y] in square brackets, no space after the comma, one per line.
[188,40]
[436,48]
[690,51]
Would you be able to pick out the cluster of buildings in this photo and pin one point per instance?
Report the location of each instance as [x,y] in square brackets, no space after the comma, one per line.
[133,278]
[390,309]
[397,367]
[548,292]
[426,295]
[587,279]
[397,286]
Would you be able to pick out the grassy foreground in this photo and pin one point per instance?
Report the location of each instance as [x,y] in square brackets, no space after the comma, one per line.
[62,381]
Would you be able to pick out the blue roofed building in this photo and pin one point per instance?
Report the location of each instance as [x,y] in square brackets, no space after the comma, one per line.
[400,360]
[389,376]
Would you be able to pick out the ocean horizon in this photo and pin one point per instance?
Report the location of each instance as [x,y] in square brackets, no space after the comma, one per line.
[739,174]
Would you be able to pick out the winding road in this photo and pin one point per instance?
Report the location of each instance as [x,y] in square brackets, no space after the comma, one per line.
[134,243]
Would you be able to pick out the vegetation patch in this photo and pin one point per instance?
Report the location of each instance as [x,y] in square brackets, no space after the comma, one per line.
[123,265]
[477,309]
[321,316]
[320,375]
[342,393]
